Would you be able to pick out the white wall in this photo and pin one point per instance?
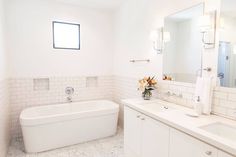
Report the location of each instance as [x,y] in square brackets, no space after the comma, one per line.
[4,105]
[135,20]
[3,54]
[30,40]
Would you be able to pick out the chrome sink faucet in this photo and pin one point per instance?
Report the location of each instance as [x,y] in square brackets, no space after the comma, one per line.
[169,94]
[69,92]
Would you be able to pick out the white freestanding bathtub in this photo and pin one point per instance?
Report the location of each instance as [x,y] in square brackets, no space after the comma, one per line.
[49,127]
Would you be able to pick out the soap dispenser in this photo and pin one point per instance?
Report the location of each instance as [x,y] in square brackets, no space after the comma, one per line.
[198,106]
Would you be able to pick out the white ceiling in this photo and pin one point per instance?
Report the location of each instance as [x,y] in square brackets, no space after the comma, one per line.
[187,14]
[96,4]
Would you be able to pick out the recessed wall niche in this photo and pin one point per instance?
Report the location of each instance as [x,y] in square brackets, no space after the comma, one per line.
[41,84]
[92,81]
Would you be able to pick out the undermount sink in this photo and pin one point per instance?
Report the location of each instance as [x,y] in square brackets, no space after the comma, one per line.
[157,107]
[223,130]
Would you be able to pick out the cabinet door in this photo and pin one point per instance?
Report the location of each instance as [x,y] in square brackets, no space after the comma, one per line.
[183,145]
[155,138]
[132,133]
[223,154]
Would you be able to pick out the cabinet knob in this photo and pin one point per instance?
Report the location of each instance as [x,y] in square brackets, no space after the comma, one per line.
[142,118]
[138,116]
[208,152]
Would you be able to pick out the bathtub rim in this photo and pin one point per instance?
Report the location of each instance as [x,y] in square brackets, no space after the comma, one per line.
[55,118]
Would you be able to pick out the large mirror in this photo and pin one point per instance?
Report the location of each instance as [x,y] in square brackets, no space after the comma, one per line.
[183,45]
[227,45]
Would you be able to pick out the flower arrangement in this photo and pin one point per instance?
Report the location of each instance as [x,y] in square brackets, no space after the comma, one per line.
[146,85]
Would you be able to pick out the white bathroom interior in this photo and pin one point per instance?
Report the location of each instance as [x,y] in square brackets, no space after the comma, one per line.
[121,78]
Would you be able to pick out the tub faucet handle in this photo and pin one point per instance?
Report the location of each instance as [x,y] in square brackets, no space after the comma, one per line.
[69,90]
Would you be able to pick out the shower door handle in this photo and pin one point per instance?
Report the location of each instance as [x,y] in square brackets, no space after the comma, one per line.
[221,75]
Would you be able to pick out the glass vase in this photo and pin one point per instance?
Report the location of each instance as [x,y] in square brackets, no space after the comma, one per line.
[147,94]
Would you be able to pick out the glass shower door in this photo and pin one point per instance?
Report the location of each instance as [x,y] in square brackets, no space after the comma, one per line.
[224,63]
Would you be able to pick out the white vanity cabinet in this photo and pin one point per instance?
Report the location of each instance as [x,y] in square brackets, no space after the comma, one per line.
[144,137]
[183,145]
[132,133]
[155,138]
[223,154]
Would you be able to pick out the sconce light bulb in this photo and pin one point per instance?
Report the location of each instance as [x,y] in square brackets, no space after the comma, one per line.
[154,35]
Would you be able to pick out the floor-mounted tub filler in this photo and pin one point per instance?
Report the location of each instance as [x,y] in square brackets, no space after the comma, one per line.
[54,126]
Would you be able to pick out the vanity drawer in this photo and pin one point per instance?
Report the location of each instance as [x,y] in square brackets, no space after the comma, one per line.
[183,145]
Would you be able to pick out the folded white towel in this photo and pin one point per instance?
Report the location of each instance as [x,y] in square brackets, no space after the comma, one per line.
[204,93]
[207,95]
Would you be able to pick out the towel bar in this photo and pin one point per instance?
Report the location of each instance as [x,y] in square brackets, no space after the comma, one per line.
[144,60]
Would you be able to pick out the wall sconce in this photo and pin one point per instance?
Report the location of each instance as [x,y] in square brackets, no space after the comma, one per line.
[166,37]
[208,29]
[222,23]
[156,36]
[159,37]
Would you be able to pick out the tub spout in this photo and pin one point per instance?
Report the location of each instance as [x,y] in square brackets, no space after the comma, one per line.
[69,99]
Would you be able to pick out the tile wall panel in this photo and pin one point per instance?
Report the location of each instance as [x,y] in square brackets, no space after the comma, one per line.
[4,118]
[23,95]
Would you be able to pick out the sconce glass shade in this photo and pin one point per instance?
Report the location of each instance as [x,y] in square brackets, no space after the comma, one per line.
[207,28]
[222,23]
[167,37]
[205,23]
[154,35]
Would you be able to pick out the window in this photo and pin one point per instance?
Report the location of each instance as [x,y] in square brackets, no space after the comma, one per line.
[66,35]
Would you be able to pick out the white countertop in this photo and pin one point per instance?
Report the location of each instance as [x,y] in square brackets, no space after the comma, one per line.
[178,119]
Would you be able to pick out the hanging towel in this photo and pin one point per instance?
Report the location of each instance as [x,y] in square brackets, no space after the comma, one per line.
[207,95]
[203,92]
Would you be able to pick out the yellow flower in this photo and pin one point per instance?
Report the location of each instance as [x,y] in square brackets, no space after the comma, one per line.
[154,82]
[147,83]
[142,85]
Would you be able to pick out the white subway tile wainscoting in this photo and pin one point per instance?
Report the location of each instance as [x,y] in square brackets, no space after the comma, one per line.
[4,118]
[108,87]
[23,95]
[224,102]
[223,98]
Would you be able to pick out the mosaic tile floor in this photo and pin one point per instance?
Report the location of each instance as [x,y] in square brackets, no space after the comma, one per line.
[108,147]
